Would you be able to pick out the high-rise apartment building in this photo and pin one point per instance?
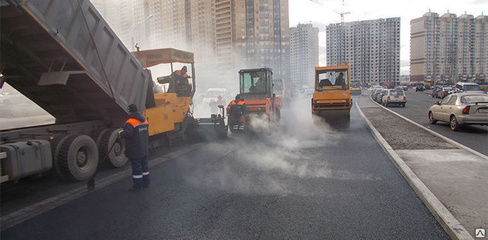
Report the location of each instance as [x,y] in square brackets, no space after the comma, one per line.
[447,49]
[120,16]
[266,35]
[225,35]
[304,54]
[371,48]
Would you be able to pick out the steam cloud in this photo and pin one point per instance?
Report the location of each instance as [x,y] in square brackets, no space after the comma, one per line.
[274,159]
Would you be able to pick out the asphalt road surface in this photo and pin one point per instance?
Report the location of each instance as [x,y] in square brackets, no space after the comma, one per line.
[301,180]
[418,103]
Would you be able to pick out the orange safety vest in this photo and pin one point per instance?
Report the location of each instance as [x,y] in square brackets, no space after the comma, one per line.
[137,142]
[134,122]
[238,103]
[179,73]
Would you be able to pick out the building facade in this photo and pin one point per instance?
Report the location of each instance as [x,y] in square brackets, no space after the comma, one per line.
[225,35]
[304,55]
[120,16]
[371,48]
[266,35]
[447,49]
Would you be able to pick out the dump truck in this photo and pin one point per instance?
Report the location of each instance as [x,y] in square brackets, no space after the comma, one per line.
[256,91]
[63,56]
[332,96]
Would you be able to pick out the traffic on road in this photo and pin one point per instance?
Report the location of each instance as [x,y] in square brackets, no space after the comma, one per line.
[417,110]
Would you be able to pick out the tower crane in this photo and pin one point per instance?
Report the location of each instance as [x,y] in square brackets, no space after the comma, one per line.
[341,13]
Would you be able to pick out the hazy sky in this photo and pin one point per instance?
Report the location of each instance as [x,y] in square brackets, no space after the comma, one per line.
[320,15]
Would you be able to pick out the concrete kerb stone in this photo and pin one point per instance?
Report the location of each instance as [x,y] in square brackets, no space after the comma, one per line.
[459,145]
[448,222]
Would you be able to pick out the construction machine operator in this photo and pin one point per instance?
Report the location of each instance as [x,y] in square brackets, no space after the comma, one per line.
[339,79]
[178,82]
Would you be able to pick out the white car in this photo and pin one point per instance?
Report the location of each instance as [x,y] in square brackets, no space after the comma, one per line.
[394,97]
[467,87]
[461,108]
[213,94]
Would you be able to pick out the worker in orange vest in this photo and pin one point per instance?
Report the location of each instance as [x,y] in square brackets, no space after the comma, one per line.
[237,109]
[181,82]
[182,72]
[214,104]
[135,133]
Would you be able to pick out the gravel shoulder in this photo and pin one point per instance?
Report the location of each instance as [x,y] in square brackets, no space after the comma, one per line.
[400,134]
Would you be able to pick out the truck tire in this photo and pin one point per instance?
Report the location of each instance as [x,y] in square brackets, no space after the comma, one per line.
[76,157]
[56,147]
[98,138]
[117,156]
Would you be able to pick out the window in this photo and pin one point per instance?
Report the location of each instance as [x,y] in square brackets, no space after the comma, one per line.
[253,82]
[452,100]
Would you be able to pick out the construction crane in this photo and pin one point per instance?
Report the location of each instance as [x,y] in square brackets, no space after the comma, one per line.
[341,13]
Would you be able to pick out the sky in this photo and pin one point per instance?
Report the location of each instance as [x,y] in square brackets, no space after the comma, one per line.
[325,13]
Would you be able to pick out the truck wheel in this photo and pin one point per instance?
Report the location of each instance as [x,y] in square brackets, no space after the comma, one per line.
[76,157]
[98,137]
[117,156]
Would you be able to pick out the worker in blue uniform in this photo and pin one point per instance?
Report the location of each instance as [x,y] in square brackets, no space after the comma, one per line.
[135,132]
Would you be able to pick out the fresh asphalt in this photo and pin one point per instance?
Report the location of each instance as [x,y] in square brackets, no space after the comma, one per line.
[303,183]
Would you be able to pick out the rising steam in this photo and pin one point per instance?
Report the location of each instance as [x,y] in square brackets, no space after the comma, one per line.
[271,160]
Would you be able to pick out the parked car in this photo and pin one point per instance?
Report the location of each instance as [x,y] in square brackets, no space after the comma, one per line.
[375,93]
[458,109]
[373,89]
[394,97]
[468,87]
[379,96]
[404,87]
[436,89]
[444,92]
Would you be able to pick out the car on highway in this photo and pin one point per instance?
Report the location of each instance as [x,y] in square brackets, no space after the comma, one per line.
[468,87]
[402,87]
[394,97]
[435,90]
[443,92]
[379,96]
[375,93]
[460,109]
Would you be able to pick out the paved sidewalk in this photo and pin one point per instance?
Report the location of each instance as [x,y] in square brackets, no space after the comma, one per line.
[451,179]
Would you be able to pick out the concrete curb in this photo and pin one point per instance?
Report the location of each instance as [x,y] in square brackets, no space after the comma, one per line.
[459,145]
[448,222]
